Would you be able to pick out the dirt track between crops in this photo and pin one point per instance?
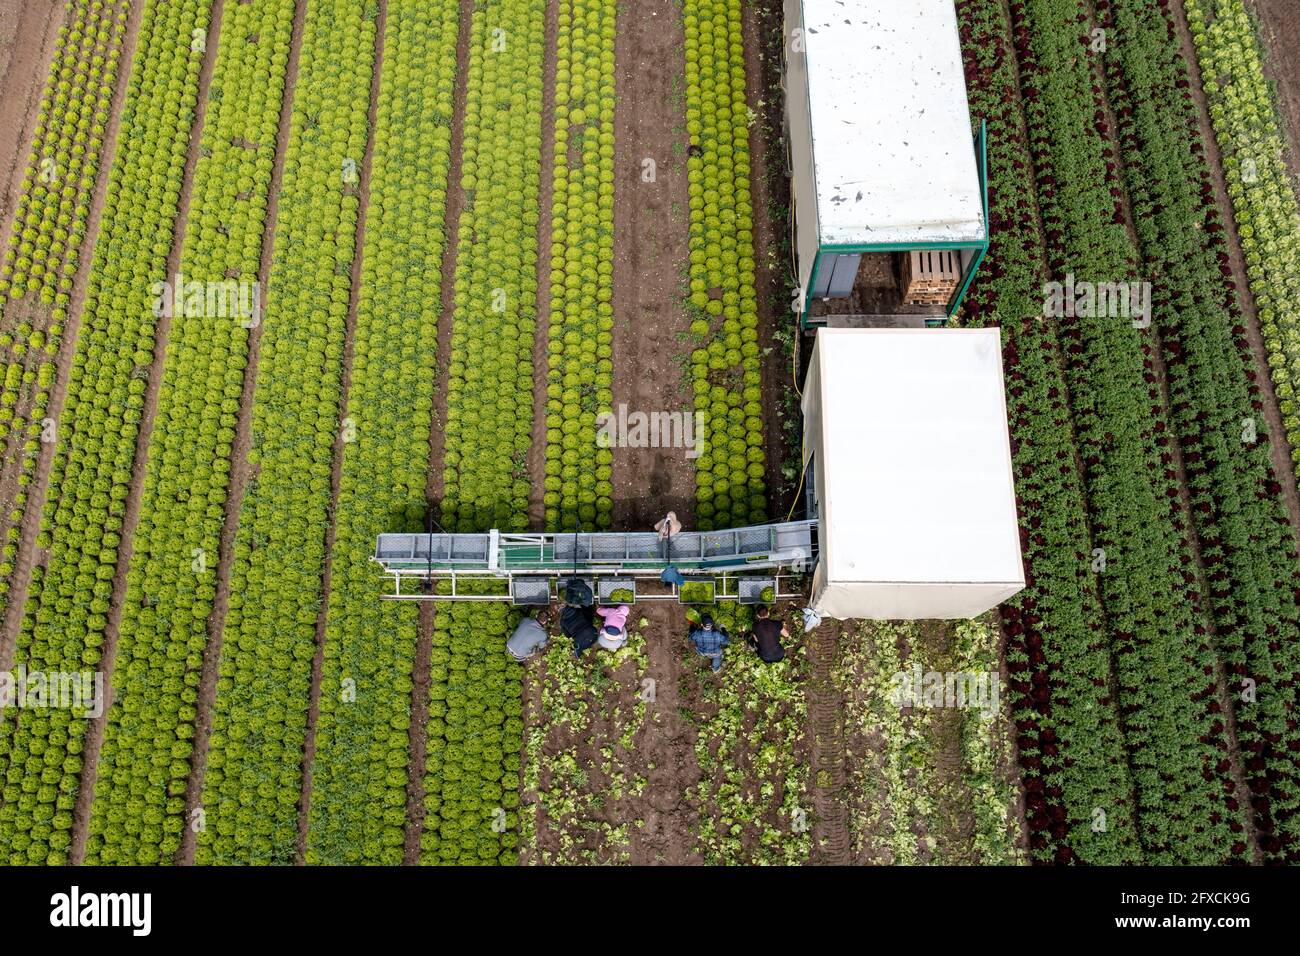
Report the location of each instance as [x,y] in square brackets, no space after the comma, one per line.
[651,349]
[662,754]
[770,192]
[1279,22]
[28,31]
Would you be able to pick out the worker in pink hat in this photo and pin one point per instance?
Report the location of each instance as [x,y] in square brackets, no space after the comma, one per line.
[613,634]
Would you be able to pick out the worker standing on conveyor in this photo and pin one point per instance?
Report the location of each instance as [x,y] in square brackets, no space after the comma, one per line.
[667,526]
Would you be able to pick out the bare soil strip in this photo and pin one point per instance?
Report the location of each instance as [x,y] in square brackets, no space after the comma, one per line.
[336,466]
[433,486]
[650,347]
[954,827]
[831,841]
[632,799]
[763,23]
[95,732]
[1283,470]
[28,553]
[1279,28]
[30,28]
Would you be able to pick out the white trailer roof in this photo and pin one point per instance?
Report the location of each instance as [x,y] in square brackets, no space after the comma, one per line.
[892,141]
[913,471]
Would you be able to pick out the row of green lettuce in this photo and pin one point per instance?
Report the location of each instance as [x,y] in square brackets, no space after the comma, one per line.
[81,527]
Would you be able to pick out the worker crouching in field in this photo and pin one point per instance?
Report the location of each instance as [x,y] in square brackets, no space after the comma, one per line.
[529,638]
[613,634]
[575,623]
[765,637]
[709,640]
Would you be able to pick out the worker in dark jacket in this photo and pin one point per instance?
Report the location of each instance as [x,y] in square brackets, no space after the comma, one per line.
[575,623]
[709,640]
[765,636]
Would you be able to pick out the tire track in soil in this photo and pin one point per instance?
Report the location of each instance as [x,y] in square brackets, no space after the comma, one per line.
[831,843]
[1284,471]
[651,229]
[240,471]
[336,459]
[662,753]
[95,732]
[650,346]
[433,487]
[954,823]
[671,819]
[28,553]
[1009,764]
[31,52]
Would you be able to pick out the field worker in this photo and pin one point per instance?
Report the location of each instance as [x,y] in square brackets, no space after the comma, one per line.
[613,634]
[765,637]
[529,638]
[575,623]
[709,640]
[667,526]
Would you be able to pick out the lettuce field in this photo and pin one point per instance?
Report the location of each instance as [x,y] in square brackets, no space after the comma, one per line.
[280,276]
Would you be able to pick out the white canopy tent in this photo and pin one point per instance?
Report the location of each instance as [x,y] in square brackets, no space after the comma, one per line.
[906,430]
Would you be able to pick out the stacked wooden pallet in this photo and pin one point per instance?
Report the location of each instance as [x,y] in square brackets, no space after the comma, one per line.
[930,276]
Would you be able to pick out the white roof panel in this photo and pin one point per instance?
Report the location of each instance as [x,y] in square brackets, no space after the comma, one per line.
[913,458]
[892,139]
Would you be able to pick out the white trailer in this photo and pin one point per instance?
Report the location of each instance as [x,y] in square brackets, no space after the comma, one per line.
[908,462]
[887,173]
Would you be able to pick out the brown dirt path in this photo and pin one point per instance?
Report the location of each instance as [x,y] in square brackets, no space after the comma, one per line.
[28,553]
[650,258]
[660,819]
[437,442]
[28,31]
[831,840]
[668,836]
[240,470]
[1279,28]
[95,732]
[336,466]
[770,189]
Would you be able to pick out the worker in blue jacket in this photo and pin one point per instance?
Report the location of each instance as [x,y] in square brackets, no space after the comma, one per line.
[709,640]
